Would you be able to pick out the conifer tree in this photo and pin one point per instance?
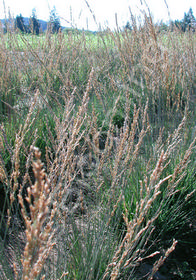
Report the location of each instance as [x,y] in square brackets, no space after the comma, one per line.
[19,23]
[34,25]
[54,23]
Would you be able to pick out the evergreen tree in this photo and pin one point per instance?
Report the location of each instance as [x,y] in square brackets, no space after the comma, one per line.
[19,23]
[54,23]
[128,26]
[191,21]
[188,23]
[34,26]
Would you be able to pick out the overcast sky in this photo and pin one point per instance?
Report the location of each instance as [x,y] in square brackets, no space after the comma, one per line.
[79,14]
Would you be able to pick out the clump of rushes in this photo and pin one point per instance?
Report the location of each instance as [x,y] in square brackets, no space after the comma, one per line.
[39,222]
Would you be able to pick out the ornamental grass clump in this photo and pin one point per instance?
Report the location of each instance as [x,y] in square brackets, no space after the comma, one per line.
[131,250]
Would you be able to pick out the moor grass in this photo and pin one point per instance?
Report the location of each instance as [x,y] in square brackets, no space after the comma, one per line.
[97,153]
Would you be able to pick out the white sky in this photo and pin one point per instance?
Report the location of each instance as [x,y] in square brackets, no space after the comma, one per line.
[77,12]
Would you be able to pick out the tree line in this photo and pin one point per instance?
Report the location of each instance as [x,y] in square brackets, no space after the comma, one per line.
[188,23]
[33,25]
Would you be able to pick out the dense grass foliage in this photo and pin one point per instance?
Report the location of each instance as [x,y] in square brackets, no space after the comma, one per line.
[97,153]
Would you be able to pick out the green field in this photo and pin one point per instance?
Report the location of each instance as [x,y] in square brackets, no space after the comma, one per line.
[97,154]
